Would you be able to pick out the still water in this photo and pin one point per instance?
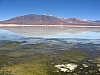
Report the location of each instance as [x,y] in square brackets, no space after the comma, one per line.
[48,50]
[54,32]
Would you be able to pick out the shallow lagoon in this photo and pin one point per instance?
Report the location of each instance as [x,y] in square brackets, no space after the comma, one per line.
[49,51]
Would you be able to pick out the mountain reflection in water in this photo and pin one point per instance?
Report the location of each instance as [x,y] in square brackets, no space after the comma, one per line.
[57,32]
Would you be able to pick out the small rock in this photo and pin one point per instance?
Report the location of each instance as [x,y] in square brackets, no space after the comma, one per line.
[85,65]
[71,66]
[81,68]
[63,69]
[99,69]
[86,72]
[67,67]
[98,65]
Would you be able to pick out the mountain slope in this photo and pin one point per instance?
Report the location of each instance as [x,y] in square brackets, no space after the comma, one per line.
[33,19]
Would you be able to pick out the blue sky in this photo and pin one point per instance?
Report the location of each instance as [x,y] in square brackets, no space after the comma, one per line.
[83,9]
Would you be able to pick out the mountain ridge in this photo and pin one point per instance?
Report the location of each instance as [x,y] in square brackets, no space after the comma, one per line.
[46,19]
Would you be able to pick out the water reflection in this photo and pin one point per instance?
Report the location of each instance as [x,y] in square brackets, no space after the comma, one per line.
[57,32]
[56,54]
[8,35]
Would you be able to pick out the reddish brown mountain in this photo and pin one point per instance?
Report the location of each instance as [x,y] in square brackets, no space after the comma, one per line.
[33,19]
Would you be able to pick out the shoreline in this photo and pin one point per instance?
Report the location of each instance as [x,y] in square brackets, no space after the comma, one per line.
[15,25]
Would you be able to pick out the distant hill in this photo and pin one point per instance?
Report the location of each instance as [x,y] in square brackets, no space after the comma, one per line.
[46,19]
[98,21]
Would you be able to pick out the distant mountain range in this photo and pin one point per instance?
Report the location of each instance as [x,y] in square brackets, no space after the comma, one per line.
[98,21]
[46,19]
